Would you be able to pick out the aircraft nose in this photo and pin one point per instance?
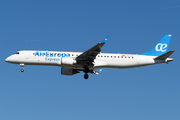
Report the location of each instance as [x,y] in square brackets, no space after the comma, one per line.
[7,59]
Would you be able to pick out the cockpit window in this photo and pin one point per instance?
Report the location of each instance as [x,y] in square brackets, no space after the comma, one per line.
[17,53]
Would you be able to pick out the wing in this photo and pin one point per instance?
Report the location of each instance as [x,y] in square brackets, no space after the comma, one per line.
[91,54]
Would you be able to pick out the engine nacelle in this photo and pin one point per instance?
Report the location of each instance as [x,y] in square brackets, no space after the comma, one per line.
[68,61]
[68,71]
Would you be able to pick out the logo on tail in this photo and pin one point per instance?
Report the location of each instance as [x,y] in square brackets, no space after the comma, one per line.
[161,47]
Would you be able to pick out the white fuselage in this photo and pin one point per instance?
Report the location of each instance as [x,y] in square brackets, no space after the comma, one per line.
[68,59]
[74,62]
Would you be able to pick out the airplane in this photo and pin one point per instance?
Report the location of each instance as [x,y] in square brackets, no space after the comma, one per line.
[89,61]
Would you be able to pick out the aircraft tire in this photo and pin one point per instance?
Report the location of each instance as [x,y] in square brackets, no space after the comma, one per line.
[22,70]
[86,76]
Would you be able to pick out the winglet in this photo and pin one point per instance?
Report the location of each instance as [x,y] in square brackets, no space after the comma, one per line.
[104,41]
[98,72]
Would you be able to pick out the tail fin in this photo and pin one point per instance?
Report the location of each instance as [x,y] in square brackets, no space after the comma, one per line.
[160,48]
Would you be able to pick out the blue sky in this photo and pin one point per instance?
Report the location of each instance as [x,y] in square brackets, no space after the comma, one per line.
[41,92]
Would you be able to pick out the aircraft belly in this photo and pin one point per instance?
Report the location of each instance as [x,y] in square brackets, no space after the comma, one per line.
[121,63]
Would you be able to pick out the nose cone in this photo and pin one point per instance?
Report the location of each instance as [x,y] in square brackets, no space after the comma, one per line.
[7,59]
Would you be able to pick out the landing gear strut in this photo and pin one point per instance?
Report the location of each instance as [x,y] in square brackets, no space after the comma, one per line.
[86,70]
[22,65]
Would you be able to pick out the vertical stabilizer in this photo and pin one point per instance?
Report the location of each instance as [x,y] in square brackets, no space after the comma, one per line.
[160,48]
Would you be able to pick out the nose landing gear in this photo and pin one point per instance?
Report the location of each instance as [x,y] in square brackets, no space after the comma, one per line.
[22,65]
[22,70]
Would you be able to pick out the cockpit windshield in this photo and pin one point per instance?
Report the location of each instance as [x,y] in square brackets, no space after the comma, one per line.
[17,53]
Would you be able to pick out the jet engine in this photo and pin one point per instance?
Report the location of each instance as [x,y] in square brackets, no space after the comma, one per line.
[68,71]
[68,61]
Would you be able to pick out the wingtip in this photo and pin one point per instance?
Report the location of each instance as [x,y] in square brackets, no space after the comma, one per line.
[98,72]
[104,41]
[107,36]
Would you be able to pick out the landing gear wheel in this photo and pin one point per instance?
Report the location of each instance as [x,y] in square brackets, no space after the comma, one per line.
[86,76]
[22,70]
[22,65]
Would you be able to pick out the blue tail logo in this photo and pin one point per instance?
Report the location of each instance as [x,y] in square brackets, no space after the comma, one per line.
[160,48]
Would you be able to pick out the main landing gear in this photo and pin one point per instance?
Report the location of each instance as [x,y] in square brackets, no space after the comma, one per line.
[22,65]
[86,70]
[86,76]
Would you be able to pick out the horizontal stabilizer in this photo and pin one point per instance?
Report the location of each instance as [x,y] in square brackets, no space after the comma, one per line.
[164,56]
